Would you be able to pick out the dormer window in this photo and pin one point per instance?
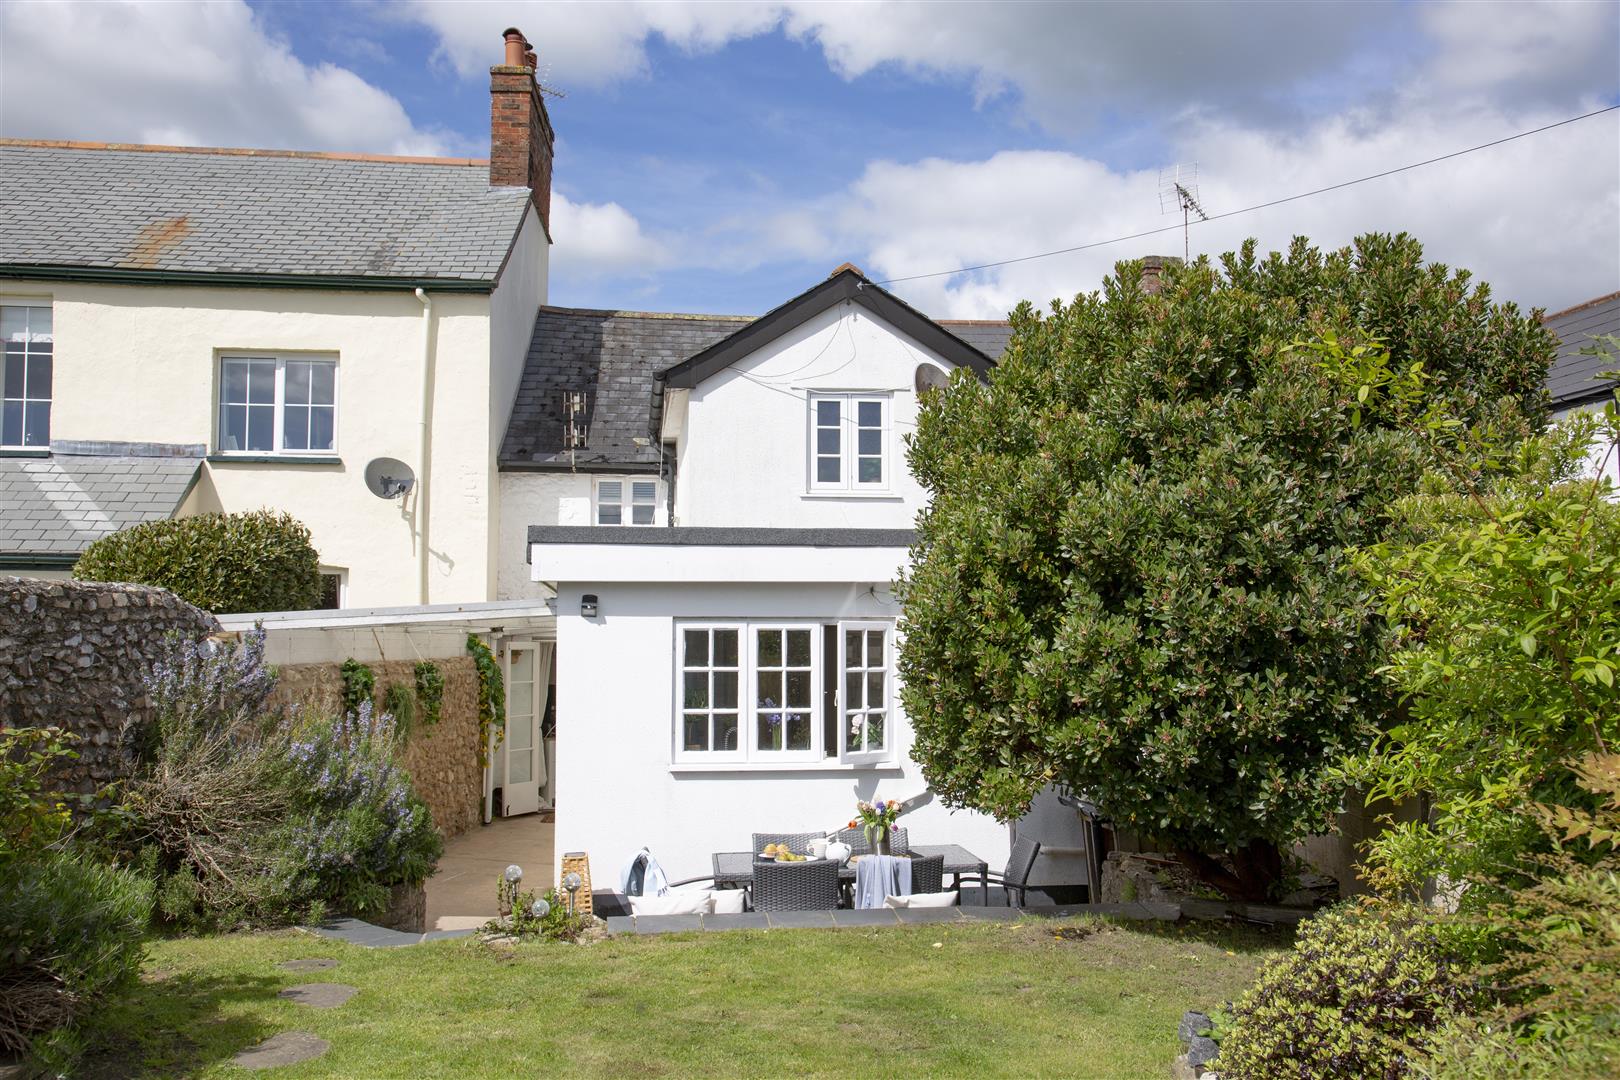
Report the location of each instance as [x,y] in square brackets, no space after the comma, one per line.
[849,442]
[626,502]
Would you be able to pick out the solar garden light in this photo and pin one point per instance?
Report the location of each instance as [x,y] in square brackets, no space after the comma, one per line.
[514,873]
[540,909]
[572,881]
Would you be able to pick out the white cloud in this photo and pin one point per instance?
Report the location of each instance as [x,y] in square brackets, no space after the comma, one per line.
[600,239]
[194,73]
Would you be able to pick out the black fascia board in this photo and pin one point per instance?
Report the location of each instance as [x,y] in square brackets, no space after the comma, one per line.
[844,285]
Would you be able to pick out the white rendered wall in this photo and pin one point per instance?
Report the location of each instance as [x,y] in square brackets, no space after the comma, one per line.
[547,498]
[140,364]
[616,788]
[1600,455]
[744,459]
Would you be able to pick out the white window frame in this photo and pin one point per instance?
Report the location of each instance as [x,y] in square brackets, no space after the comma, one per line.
[278,434]
[626,502]
[749,751]
[31,338]
[848,443]
[845,751]
[342,575]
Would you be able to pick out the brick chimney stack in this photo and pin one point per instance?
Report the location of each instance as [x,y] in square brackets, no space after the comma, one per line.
[520,137]
[1153,266]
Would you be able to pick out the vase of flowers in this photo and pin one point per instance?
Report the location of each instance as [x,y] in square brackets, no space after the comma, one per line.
[876,819]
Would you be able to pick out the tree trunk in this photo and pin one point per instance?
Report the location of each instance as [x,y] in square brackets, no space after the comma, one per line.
[1256,867]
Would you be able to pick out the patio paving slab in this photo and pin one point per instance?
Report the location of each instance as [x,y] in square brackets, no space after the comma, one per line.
[288,1048]
[667,924]
[928,915]
[988,914]
[866,917]
[319,995]
[746,920]
[320,963]
[801,920]
[621,924]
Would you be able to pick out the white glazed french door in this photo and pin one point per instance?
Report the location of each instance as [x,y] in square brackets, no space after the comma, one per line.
[527,670]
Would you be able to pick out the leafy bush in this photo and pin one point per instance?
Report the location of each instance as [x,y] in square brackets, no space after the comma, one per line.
[32,814]
[1132,575]
[71,932]
[247,815]
[1469,1048]
[1361,989]
[224,563]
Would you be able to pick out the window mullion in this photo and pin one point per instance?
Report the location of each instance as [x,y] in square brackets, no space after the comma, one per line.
[277,435]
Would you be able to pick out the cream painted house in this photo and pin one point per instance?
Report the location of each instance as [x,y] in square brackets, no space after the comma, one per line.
[190,330]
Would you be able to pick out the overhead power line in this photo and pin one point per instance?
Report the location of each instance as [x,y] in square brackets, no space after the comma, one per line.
[1252,209]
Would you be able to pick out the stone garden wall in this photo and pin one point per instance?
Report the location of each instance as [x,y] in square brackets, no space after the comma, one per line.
[441,758]
[74,654]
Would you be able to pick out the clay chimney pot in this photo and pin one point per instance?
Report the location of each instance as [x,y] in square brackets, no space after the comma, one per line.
[516,47]
[530,60]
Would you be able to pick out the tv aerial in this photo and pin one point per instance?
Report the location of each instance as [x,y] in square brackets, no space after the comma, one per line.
[389,478]
[1178,190]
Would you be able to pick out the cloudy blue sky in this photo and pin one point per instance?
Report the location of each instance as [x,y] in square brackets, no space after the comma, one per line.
[723,157]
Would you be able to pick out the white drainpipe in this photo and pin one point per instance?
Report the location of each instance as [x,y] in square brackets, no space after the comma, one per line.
[424,452]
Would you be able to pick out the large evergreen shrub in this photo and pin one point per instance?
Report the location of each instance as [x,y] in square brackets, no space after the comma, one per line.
[224,563]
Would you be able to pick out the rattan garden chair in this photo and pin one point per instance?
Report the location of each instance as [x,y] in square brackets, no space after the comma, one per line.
[899,841]
[806,886]
[1019,865]
[797,842]
[928,874]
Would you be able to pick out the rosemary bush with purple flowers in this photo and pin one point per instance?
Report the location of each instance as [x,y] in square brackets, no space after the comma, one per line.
[245,813]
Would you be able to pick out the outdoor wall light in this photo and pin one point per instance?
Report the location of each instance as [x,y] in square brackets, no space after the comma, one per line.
[587,606]
[572,881]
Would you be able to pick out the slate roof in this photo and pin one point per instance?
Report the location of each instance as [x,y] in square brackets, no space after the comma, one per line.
[613,357]
[58,505]
[253,213]
[989,336]
[1571,379]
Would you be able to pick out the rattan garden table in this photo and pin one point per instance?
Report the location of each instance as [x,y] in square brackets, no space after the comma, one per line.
[735,869]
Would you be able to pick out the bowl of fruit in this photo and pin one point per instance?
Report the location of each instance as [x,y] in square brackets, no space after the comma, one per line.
[781,853]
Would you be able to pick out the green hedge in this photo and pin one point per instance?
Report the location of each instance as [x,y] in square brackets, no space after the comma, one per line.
[224,563]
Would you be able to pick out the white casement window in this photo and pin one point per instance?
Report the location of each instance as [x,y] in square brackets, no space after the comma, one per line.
[277,405]
[25,408]
[626,502]
[849,442]
[786,692]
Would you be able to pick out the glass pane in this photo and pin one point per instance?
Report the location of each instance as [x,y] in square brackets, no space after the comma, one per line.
[519,766]
[725,689]
[695,733]
[641,515]
[39,375]
[520,707]
[297,389]
[874,731]
[14,374]
[871,471]
[522,665]
[854,691]
[725,648]
[826,440]
[827,470]
[725,731]
[609,515]
[13,324]
[609,491]
[295,427]
[39,323]
[323,384]
[874,648]
[869,414]
[11,423]
[770,731]
[261,423]
[770,689]
[798,689]
[696,695]
[827,413]
[798,731]
[643,491]
[697,648]
[852,648]
[874,688]
[798,642]
[232,427]
[37,423]
[870,442]
[322,424]
[770,648]
[233,384]
[262,381]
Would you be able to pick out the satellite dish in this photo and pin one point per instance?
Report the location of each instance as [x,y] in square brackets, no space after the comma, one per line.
[389,478]
[929,378]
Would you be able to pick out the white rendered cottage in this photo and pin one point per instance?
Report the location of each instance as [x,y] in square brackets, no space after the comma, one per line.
[722,529]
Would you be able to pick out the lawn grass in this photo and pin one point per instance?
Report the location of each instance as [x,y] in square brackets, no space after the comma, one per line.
[973,999]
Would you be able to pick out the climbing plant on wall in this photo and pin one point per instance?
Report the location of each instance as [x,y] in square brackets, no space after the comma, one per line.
[429,691]
[491,695]
[359,685]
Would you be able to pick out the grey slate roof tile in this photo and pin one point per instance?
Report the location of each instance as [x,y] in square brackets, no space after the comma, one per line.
[245,214]
[1572,377]
[613,357]
[58,505]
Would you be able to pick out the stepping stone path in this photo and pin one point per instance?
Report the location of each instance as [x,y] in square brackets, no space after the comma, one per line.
[317,964]
[288,1048]
[320,995]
